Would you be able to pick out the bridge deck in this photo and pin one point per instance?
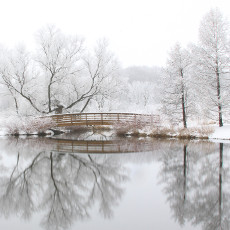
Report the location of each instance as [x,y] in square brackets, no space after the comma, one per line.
[100,119]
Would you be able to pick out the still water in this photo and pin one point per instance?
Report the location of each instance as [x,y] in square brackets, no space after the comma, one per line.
[92,182]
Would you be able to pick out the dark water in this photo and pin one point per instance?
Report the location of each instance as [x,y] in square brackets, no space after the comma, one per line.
[100,183]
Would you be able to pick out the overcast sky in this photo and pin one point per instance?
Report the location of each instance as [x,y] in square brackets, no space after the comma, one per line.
[140,32]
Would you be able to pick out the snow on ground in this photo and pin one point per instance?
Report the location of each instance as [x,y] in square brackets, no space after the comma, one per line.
[2,129]
[222,133]
[2,132]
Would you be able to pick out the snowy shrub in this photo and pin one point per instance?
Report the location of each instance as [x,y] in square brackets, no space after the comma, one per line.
[127,127]
[200,131]
[12,127]
[162,132]
[138,126]
[28,125]
[182,133]
[39,125]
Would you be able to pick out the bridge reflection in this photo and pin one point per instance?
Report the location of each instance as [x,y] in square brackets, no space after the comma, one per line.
[102,146]
[64,187]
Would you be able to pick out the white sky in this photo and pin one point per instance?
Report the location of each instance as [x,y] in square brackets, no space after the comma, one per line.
[140,32]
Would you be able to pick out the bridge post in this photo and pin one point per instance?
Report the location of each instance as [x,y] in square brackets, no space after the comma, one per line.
[151,121]
[135,120]
[86,121]
[102,118]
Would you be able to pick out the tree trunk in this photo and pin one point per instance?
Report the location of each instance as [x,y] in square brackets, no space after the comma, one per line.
[183,109]
[85,105]
[16,104]
[218,95]
[49,97]
[183,102]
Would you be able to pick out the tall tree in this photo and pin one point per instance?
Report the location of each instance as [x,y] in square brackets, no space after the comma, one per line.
[59,73]
[100,69]
[18,77]
[212,63]
[175,85]
[57,59]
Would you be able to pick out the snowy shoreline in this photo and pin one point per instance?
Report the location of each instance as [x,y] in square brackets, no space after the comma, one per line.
[217,134]
[221,133]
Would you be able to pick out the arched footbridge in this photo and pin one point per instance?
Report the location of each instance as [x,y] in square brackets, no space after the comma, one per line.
[101,119]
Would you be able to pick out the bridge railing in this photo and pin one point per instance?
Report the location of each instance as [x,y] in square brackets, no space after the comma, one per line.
[78,119]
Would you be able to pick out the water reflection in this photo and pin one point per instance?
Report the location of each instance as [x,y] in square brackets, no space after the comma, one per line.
[55,178]
[101,142]
[196,182]
[64,186]
[46,175]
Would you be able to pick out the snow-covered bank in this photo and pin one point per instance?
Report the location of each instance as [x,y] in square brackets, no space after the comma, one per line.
[3,132]
[210,132]
[17,125]
[222,133]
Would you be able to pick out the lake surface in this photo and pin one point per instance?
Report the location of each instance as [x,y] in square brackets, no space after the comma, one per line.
[92,181]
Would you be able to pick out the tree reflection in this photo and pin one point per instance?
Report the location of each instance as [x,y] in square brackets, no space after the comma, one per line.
[175,172]
[197,185]
[63,185]
[211,200]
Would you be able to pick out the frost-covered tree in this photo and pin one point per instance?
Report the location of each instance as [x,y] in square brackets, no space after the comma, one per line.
[18,77]
[60,73]
[176,80]
[211,62]
[73,77]
[58,61]
[100,70]
[140,93]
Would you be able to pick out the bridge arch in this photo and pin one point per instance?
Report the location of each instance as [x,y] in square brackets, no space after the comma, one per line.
[100,119]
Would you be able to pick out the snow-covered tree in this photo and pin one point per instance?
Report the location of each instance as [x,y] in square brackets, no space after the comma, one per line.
[16,74]
[175,89]
[100,72]
[141,88]
[211,65]
[58,61]
[60,73]
[140,96]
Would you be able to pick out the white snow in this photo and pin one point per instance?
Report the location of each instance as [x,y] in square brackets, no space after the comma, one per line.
[3,132]
[222,133]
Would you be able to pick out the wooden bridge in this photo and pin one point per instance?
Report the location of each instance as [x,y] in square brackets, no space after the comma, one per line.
[100,119]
